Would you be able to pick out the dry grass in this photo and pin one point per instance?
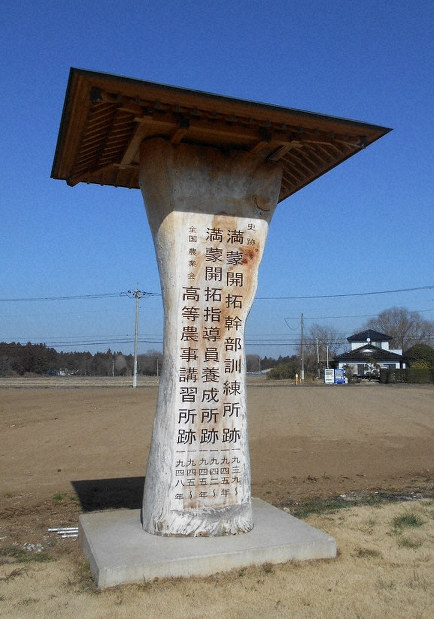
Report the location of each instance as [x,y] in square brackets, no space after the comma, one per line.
[374,575]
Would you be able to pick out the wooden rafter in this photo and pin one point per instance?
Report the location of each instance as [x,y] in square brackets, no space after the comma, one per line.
[106,118]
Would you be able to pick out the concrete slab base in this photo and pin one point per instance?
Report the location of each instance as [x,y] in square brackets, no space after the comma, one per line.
[119,551]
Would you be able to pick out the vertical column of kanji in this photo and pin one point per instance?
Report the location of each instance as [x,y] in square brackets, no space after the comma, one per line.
[209,234]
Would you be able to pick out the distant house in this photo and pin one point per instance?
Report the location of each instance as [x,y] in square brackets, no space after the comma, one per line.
[369,349]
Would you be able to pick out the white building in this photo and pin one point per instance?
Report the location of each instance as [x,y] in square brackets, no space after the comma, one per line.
[370,349]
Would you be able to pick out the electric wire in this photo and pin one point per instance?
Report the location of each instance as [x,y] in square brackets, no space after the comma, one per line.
[269,339]
[259,298]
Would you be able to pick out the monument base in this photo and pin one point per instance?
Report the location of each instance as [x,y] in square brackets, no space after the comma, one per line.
[120,552]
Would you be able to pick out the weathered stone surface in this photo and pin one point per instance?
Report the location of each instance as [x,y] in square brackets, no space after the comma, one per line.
[209,212]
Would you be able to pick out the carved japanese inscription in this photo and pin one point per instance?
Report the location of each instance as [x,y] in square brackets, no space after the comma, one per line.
[209,233]
[210,469]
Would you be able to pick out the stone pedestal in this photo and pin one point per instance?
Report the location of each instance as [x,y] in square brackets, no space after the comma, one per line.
[119,551]
[209,211]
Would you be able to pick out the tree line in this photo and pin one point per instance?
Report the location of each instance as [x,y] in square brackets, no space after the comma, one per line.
[20,359]
[409,332]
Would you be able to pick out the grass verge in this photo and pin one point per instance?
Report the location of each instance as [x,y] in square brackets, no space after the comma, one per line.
[319,505]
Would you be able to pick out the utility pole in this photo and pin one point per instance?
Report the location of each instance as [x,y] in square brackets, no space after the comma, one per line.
[137,294]
[302,348]
[318,371]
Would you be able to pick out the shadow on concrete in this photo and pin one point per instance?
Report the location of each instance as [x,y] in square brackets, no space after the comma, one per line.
[102,494]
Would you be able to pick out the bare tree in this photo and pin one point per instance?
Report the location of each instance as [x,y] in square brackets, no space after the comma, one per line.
[150,363]
[405,327]
[320,342]
[120,365]
[253,363]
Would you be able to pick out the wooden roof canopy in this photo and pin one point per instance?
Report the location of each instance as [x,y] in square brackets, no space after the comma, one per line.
[106,117]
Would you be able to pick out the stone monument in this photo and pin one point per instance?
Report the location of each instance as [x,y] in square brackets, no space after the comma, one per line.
[209,212]
[211,170]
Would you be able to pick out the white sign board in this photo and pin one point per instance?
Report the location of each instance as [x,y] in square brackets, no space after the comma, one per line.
[329,376]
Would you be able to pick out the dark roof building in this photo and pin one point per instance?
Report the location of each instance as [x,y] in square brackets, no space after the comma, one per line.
[369,336]
[370,350]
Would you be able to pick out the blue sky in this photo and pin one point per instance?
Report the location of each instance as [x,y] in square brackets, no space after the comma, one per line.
[366,226]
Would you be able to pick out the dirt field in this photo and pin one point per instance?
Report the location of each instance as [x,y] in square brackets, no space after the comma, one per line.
[65,449]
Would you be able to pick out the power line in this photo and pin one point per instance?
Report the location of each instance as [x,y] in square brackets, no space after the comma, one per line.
[105,295]
[85,297]
[350,294]
[253,343]
[256,341]
[349,316]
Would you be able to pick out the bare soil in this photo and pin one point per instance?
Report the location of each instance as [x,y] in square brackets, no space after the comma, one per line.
[68,446]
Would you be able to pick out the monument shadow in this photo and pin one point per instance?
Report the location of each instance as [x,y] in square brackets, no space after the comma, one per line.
[116,493]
